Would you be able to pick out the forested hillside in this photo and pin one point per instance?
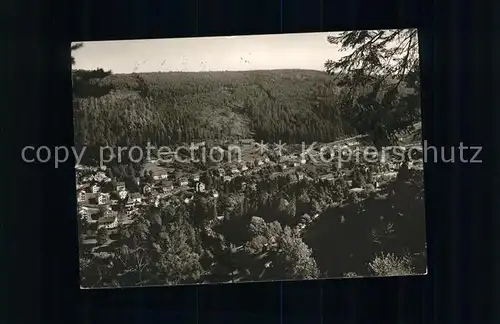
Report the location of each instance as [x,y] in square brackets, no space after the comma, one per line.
[166,108]
[181,107]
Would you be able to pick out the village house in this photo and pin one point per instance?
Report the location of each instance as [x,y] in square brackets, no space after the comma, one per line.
[89,241]
[266,160]
[327,177]
[235,171]
[195,177]
[100,176]
[95,188]
[120,186]
[200,187]
[160,174]
[166,185]
[130,203]
[215,194]
[86,179]
[103,198]
[82,186]
[88,212]
[108,222]
[90,233]
[227,178]
[183,181]
[244,168]
[81,196]
[283,167]
[136,197]
[123,194]
[243,185]
[108,212]
[301,226]
[260,162]
[146,189]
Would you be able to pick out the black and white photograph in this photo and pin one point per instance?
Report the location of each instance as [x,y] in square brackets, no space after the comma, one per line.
[252,158]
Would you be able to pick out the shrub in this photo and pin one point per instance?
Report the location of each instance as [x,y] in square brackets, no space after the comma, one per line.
[386,265]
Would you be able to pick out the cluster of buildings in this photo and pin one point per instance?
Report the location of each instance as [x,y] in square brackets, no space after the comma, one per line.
[106,204]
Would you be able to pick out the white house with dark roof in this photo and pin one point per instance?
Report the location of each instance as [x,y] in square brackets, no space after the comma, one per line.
[88,211]
[103,198]
[81,196]
[95,188]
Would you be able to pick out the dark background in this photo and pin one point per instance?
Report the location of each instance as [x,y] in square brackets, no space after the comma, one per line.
[39,263]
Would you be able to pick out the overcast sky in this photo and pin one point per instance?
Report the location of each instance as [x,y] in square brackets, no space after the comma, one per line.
[238,53]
